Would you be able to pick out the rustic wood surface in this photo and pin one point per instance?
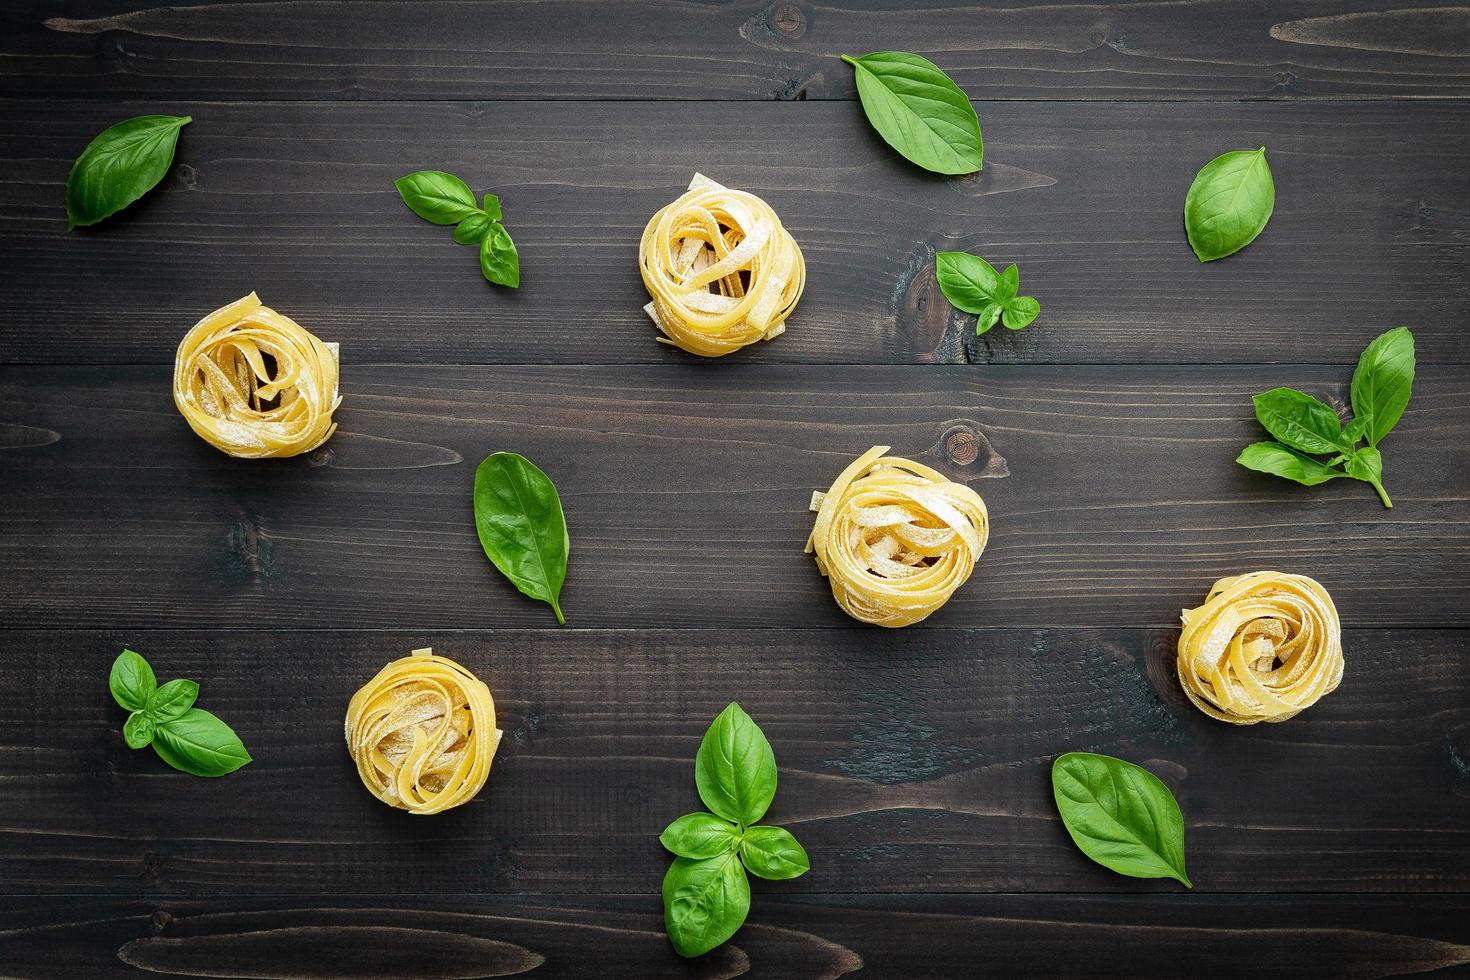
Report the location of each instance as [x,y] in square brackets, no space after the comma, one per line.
[914,764]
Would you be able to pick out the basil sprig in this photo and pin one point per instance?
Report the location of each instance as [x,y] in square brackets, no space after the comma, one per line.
[519,519]
[1120,815]
[972,284]
[706,892]
[1229,203]
[124,162]
[188,738]
[1306,428]
[444,199]
[919,111]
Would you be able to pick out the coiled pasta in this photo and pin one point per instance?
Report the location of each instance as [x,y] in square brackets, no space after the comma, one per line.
[1263,647]
[423,733]
[896,538]
[722,271]
[254,383]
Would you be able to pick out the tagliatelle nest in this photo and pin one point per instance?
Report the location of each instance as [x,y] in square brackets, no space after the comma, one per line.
[896,538]
[722,271]
[1263,647]
[423,733]
[254,383]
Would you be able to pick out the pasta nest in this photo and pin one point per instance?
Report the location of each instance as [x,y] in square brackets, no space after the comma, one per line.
[1263,647]
[896,538]
[255,384]
[722,271]
[423,733]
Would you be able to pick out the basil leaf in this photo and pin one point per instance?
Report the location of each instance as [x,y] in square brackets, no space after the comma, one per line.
[1010,283]
[735,770]
[472,230]
[771,852]
[138,730]
[1120,815]
[988,318]
[492,207]
[1367,465]
[967,281]
[172,700]
[1229,203]
[519,519]
[705,902]
[1300,421]
[1021,312]
[124,162]
[200,744]
[1383,380]
[1356,430]
[436,196]
[700,835]
[498,259]
[918,111]
[131,681]
[1283,461]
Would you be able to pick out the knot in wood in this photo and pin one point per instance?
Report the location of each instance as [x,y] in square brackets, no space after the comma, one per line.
[961,445]
[788,20]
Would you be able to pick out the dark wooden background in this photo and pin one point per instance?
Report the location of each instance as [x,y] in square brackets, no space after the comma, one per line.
[914,764]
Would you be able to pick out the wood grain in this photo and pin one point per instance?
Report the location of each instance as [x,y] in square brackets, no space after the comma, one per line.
[1371,230]
[751,49]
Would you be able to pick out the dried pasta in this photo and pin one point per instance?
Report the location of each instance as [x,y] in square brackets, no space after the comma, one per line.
[896,538]
[1263,647]
[722,271]
[423,733]
[255,384]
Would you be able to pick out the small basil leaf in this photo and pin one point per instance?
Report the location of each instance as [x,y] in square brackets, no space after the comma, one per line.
[498,259]
[131,681]
[519,519]
[200,744]
[138,730]
[1367,465]
[492,207]
[967,281]
[472,230]
[1229,203]
[700,835]
[771,852]
[1021,312]
[1120,815]
[1283,461]
[172,700]
[919,111]
[436,196]
[1300,421]
[1356,430]
[1383,381]
[987,318]
[735,769]
[1010,283]
[705,902]
[124,162]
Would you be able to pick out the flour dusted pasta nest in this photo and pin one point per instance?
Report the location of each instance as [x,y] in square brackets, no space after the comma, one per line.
[1263,647]
[423,733]
[722,271]
[254,383]
[896,538]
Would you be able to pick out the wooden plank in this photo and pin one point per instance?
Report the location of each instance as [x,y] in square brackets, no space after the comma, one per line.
[752,49]
[297,201]
[910,762]
[1114,496]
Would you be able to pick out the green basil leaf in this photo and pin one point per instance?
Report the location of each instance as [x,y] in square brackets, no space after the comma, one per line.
[492,207]
[1021,312]
[1010,284]
[918,111]
[700,835]
[436,196]
[200,744]
[172,700]
[1229,203]
[1356,430]
[735,770]
[1300,421]
[1367,465]
[771,852]
[1120,815]
[472,230]
[131,681]
[138,730]
[705,902]
[1383,380]
[498,259]
[967,281]
[124,162]
[988,318]
[519,519]
[1283,461]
